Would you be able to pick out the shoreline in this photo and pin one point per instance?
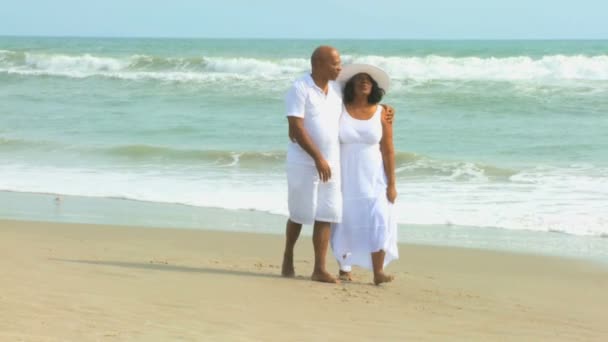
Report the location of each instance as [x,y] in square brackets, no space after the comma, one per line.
[88,282]
[25,206]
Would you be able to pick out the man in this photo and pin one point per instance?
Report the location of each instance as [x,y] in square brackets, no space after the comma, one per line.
[314,105]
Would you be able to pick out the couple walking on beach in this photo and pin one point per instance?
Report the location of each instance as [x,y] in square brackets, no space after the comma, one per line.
[341,167]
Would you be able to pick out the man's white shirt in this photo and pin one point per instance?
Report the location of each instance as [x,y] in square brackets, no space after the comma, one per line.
[321,114]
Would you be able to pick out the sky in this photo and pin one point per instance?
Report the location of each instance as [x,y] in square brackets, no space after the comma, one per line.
[315,19]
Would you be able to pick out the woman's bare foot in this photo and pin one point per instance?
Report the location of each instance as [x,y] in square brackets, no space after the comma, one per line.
[323,277]
[382,278]
[345,276]
[288,270]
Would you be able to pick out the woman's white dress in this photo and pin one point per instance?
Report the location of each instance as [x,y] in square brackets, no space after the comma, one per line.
[368,222]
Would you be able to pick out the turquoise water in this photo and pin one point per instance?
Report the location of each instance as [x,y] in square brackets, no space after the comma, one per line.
[501,134]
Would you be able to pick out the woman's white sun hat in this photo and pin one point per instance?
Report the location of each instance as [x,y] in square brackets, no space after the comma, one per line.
[350,70]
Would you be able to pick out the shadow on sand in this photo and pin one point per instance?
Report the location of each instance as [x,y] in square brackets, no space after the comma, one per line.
[176,268]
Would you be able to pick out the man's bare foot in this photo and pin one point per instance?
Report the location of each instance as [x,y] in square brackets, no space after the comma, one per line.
[345,276]
[288,270]
[323,277]
[382,278]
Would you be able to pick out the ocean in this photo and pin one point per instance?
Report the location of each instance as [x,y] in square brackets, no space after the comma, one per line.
[499,136]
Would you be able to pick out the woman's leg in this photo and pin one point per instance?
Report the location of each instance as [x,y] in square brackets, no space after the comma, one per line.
[345,272]
[378,264]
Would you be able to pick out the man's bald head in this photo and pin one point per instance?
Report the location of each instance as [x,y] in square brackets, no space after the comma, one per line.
[325,62]
[322,53]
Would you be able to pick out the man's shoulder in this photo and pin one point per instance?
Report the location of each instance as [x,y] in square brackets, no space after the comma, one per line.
[302,82]
[336,86]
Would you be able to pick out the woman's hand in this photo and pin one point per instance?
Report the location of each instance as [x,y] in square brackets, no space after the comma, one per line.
[391,193]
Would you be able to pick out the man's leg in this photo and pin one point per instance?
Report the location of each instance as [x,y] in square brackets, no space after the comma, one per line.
[320,240]
[292,232]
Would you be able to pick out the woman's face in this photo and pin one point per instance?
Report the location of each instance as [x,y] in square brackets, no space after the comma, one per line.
[362,84]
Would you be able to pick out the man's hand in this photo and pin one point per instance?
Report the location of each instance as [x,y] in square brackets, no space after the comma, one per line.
[389,113]
[323,169]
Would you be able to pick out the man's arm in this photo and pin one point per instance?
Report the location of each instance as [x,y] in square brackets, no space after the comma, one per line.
[298,133]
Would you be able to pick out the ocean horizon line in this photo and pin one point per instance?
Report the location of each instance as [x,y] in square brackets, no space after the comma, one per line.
[393,39]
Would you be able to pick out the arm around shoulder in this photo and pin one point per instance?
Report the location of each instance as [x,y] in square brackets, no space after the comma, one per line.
[388,112]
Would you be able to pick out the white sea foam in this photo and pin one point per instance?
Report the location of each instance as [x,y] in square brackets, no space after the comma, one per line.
[250,66]
[554,67]
[573,200]
[81,64]
[201,69]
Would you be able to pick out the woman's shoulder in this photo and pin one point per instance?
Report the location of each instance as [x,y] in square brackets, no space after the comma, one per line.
[380,111]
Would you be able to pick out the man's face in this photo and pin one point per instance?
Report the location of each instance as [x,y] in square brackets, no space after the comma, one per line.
[332,65]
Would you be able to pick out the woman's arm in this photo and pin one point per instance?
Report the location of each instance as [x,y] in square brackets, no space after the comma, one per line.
[388,158]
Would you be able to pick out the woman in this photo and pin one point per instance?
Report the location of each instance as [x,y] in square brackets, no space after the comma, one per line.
[367,235]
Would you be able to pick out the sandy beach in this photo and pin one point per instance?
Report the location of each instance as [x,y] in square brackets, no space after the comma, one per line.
[76,282]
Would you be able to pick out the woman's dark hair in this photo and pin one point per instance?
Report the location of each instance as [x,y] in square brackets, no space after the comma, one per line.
[349,91]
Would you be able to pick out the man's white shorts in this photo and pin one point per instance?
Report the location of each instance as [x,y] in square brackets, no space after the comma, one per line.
[311,200]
